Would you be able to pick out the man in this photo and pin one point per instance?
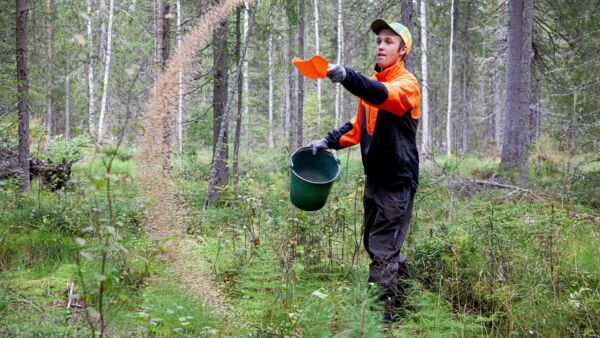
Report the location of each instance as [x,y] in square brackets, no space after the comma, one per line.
[385,125]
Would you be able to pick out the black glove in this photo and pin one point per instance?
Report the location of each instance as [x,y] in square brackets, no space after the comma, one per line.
[318,144]
[336,73]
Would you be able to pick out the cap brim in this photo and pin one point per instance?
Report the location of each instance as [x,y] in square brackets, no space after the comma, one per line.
[378,25]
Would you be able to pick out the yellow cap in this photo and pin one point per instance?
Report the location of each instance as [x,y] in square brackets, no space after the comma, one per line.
[397,27]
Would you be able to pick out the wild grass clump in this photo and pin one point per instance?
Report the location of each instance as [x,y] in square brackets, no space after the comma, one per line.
[34,249]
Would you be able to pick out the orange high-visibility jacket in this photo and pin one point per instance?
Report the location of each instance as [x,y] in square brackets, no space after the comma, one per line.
[385,125]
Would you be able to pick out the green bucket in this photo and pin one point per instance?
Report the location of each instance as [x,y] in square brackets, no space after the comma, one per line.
[312,177]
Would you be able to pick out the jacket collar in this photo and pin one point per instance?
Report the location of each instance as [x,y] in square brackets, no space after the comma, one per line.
[390,72]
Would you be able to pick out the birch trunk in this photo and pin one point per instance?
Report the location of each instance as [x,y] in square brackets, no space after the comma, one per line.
[68,100]
[282,106]
[246,115]
[180,89]
[292,97]
[23,91]
[317,52]
[106,71]
[48,75]
[340,37]
[90,70]
[287,101]
[102,33]
[270,89]
[464,128]
[424,83]
[450,61]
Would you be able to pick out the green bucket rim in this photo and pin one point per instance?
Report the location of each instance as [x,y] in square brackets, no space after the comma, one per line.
[337,174]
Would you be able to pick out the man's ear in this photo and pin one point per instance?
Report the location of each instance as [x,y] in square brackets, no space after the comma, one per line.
[402,52]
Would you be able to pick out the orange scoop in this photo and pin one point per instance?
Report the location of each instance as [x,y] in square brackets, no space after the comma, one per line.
[313,68]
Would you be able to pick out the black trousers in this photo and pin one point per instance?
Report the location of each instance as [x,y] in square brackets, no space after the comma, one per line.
[386,224]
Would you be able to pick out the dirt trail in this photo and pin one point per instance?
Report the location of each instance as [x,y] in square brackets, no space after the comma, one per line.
[167,210]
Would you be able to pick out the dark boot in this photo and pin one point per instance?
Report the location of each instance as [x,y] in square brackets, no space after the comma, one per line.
[390,313]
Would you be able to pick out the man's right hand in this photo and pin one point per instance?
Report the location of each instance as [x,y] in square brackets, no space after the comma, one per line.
[318,144]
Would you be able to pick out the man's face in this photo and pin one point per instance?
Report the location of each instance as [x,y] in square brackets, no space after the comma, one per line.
[389,51]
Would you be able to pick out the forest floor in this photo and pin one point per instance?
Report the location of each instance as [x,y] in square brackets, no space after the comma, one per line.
[487,261]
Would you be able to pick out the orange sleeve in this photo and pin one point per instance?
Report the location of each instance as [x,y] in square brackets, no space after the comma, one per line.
[352,137]
[403,94]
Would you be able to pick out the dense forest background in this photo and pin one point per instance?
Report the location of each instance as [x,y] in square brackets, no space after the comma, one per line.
[157,136]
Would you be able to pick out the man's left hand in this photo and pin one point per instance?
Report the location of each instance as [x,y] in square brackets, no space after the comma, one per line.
[318,144]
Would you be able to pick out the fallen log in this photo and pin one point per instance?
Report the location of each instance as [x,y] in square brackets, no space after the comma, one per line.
[55,176]
[465,182]
[9,163]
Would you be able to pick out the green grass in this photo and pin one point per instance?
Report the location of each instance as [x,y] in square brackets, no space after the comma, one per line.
[163,309]
[487,262]
[34,249]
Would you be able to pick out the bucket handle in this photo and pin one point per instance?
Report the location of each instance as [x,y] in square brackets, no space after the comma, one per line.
[291,164]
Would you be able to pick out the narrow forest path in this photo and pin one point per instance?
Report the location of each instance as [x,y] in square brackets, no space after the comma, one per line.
[166,209]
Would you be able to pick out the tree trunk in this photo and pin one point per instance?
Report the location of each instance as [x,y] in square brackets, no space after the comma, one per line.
[246,79]
[202,7]
[48,75]
[535,113]
[270,89]
[450,61]
[90,70]
[180,84]
[157,35]
[240,95]
[406,8]
[106,71]
[286,92]
[292,97]
[165,45]
[518,70]
[424,85]
[165,55]
[317,52]
[498,121]
[23,92]
[572,128]
[102,33]
[340,38]
[301,52]
[489,110]
[464,131]
[213,178]
[525,116]
[282,104]
[68,100]
[219,101]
